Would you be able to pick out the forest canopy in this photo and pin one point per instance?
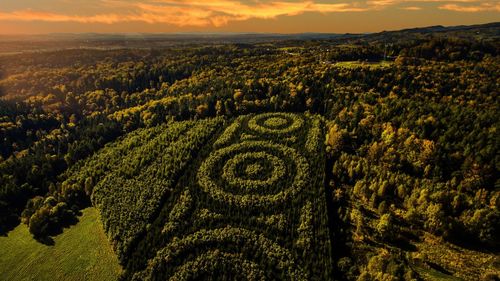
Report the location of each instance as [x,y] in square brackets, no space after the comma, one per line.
[400,131]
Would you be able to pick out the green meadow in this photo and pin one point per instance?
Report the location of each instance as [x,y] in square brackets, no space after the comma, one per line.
[81,252]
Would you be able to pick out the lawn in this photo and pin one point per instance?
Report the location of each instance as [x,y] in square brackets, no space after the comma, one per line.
[81,252]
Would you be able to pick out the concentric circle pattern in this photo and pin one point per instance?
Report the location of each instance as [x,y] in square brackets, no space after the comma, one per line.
[253,208]
[276,123]
[228,175]
[253,170]
[215,261]
[244,170]
[206,252]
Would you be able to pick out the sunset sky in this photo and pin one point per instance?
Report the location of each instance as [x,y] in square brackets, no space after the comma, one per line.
[282,16]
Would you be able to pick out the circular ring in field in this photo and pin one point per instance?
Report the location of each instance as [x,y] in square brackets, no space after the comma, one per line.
[228,175]
[239,253]
[210,262]
[276,123]
[251,166]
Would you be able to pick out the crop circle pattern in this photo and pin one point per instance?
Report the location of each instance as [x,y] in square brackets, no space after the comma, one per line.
[283,174]
[252,168]
[276,123]
[202,252]
[217,261]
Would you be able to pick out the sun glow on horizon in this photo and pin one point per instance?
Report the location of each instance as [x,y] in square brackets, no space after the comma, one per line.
[236,16]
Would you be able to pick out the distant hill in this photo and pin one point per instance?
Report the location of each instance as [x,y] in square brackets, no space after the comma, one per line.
[490,31]
[56,41]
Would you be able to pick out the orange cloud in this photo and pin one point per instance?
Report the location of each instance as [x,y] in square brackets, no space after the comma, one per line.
[29,15]
[484,7]
[411,8]
[186,13]
[234,10]
[221,12]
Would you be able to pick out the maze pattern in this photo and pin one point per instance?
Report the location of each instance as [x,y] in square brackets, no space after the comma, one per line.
[253,208]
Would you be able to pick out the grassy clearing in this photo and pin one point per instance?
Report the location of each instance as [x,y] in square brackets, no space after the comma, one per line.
[81,252]
[432,274]
[291,48]
[463,263]
[371,65]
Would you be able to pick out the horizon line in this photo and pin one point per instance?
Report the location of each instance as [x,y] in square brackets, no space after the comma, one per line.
[239,33]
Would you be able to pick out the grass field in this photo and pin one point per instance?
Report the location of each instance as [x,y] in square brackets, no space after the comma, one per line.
[354,64]
[462,263]
[81,252]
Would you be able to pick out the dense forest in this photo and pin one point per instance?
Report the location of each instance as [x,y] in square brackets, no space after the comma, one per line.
[358,158]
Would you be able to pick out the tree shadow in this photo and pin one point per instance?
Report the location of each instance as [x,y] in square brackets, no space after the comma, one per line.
[404,243]
[55,230]
[437,267]
[472,243]
[339,229]
[8,223]
[46,240]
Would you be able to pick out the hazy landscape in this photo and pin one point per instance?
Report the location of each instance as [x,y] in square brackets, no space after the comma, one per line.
[217,155]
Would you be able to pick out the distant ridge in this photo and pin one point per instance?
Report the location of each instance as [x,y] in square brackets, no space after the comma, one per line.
[306,35]
[13,44]
[441,28]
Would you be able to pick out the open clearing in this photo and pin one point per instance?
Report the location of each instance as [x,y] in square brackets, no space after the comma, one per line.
[371,65]
[81,252]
